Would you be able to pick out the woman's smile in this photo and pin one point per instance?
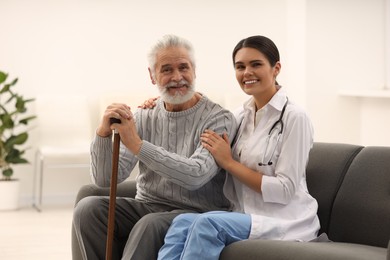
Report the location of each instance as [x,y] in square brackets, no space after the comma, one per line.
[250,82]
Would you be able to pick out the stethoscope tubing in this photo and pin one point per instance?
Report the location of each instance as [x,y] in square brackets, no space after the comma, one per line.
[279,121]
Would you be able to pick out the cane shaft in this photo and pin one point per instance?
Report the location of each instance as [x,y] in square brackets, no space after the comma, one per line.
[111,209]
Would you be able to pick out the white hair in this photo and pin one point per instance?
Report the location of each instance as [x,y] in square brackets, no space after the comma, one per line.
[167,41]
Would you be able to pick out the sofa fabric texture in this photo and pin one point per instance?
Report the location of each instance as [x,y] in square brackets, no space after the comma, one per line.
[352,186]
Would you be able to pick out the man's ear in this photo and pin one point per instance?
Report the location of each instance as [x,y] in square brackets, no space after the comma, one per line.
[151,76]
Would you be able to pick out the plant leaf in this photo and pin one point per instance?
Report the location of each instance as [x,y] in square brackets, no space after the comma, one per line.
[16,139]
[16,160]
[14,156]
[20,107]
[3,77]
[10,98]
[8,172]
[6,121]
[25,120]
[13,82]
[4,89]
[29,100]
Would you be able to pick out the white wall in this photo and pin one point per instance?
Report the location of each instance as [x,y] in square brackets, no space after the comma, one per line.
[345,42]
[96,49]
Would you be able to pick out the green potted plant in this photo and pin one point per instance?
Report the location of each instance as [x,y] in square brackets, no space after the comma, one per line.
[13,135]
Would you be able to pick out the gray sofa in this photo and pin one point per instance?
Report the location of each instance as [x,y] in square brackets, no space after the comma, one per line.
[352,186]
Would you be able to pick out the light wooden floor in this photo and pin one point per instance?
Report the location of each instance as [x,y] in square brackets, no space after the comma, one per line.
[28,234]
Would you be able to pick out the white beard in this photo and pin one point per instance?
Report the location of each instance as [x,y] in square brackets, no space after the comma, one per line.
[178,98]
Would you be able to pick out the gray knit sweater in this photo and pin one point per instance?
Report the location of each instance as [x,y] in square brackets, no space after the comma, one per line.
[174,167]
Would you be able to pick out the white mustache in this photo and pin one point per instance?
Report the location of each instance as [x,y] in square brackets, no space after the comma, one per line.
[179,84]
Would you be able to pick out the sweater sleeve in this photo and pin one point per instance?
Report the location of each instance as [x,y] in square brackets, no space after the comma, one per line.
[194,171]
[101,161]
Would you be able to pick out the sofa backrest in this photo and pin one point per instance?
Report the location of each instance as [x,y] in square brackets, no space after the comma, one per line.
[361,210]
[328,163]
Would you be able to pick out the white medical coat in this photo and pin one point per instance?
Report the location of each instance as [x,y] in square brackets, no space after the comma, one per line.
[284,210]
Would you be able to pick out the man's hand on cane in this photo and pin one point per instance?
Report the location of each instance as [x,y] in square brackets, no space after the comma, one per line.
[116,110]
[129,135]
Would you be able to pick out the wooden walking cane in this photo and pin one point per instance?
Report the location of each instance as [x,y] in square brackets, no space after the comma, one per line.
[112,203]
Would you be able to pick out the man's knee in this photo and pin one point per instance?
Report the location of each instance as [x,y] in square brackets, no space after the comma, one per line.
[153,222]
[88,209]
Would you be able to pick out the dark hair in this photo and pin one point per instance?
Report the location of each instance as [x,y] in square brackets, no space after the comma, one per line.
[262,44]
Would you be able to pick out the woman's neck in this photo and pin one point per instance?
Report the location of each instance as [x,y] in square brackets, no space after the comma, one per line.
[263,98]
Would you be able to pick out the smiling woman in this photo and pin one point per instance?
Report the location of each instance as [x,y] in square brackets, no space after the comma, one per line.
[256,75]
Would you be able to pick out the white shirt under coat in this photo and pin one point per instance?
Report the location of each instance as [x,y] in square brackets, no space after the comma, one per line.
[284,210]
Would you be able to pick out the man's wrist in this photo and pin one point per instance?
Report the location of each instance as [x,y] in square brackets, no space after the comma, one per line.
[103,134]
[137,147]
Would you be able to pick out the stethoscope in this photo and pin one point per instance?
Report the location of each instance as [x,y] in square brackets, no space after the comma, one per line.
[279,121]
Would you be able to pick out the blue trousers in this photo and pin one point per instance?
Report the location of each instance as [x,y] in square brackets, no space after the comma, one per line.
[203,236]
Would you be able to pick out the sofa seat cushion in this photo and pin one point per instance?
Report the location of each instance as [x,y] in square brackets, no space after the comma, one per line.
[290,250]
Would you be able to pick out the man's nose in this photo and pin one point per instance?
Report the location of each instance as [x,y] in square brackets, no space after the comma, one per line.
[177,76]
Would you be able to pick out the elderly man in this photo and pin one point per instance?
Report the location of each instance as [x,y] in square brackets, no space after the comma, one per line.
[177,174]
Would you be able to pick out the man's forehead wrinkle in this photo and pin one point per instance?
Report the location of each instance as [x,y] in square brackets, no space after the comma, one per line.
[183,63]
